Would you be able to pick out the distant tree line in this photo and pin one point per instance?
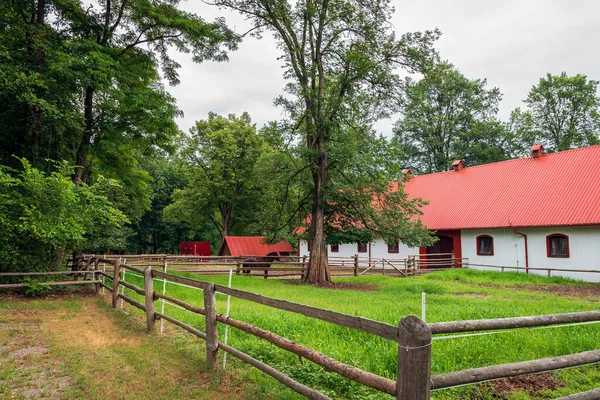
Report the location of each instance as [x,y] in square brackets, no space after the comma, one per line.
[446,116]
[92,159]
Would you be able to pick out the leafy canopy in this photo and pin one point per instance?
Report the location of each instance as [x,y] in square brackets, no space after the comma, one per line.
[446,117]
[341,59]
[220,156]
[562,112]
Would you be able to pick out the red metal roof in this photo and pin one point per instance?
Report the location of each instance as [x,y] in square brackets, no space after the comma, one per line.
[253,246]
[557,189]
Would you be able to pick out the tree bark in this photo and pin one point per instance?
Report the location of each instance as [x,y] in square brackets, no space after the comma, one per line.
[318,264]
[39,57]
[81,174]
[226,221]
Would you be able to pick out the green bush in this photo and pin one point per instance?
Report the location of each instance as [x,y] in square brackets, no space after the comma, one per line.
[44,217]
[34,288]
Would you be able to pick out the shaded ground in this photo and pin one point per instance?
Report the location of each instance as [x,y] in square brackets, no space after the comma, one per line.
[533,385]
[358,286]
[591,290]
[76,347]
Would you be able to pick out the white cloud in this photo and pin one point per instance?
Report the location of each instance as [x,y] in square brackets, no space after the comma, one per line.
[511,43]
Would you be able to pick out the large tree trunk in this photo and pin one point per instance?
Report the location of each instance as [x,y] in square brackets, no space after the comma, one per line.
[39,59]
[81,174]
[226,212]
[318,264]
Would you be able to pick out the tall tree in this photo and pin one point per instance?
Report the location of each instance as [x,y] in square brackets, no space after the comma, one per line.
[562,112]
[39,109]
[83,83]
[339,55]
[121,43]
[447,116]
[220,155]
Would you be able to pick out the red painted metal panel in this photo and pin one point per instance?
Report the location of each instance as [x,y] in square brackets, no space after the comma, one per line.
[558,189]
[194,248]
[254,246]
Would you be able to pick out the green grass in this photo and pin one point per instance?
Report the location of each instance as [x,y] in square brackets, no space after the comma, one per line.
[451,295]
[100,353]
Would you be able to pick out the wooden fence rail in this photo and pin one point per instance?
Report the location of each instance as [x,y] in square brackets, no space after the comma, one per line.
[413,336]
[548,270]
[289,266]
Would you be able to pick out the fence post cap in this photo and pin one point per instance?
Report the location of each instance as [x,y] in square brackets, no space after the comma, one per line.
[415,326]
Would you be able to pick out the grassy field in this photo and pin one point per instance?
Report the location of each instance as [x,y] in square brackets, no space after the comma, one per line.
[74,346]
[451,295]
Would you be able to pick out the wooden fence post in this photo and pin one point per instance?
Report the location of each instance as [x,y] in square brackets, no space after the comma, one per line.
[96,277]
[212,335]
[356,265]
[116,277]
[149,292]
[414,359]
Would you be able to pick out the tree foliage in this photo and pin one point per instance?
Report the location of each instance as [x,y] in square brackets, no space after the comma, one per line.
[562,112]
[43,215]
[220,156]
[341,57]
[446,117]
[83,83]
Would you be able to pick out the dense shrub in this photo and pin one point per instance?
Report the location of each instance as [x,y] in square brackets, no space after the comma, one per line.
[44,217]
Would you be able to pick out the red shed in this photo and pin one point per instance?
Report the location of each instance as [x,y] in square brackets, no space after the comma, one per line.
[253,246]
[194,248]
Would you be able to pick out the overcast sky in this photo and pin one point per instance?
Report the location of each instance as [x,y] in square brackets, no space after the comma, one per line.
[511,43]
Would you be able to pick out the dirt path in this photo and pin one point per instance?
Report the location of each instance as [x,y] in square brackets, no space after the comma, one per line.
[78,347]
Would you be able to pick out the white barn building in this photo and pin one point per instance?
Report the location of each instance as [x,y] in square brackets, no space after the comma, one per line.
[541,211]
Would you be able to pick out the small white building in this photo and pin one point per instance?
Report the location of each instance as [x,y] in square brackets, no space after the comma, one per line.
[541,211]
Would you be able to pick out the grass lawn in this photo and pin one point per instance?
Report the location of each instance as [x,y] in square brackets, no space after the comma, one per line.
[451,295]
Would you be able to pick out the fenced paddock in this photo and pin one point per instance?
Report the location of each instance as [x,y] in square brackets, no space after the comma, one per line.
[412,336]
[290,266]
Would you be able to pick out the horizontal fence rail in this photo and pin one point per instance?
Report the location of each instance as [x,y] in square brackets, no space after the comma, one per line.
[476,375]
[513,323]
[548,270]
[413,336]
[293,266]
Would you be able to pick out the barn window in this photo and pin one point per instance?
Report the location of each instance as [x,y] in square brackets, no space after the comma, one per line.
[308,243]
[362,247]
[557,245]
[394,247]
[485,245]
[335,248]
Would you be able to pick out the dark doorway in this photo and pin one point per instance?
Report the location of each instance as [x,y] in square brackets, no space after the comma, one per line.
[440,254]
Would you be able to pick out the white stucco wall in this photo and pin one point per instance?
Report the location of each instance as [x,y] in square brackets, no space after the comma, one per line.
[509,250]
[379,249]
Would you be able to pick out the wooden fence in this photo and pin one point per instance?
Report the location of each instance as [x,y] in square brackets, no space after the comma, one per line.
[292,266]
[414,338]
[549,271]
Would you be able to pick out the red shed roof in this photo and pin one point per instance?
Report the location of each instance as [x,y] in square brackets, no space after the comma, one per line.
[557,189]
[253,246]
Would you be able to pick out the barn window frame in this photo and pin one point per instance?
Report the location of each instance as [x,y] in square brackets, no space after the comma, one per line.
[394,247]
[550,250]
[478,241]
[335,248]
[362,247]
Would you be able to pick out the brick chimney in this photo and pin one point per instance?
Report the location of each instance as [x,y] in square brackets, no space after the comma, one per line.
[458,165]
[537,150]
